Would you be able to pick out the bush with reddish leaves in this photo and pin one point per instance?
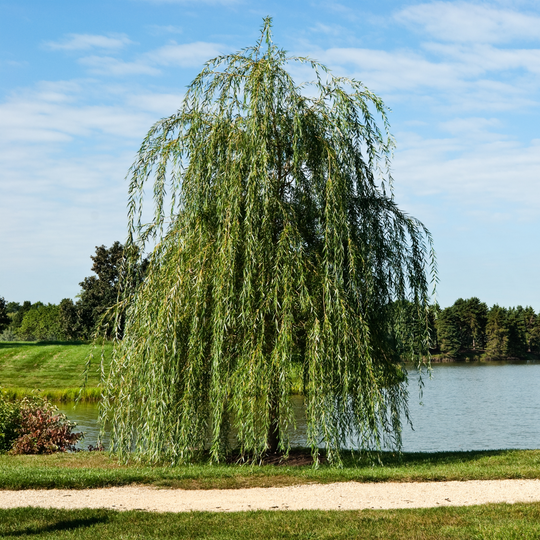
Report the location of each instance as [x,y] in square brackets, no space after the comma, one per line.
[37,427]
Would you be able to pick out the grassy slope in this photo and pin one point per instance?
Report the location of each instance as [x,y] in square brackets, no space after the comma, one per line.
[490,521]
[56,369]
[96,469]
[50,367]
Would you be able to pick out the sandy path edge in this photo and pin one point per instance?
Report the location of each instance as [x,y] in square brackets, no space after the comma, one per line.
[338,496]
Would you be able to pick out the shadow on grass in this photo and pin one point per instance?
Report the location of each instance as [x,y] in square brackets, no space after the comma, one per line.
[301,458]
[395,459]
[60,524]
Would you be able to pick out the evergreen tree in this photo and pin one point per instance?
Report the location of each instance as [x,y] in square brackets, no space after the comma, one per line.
[282,245]
[497,334]
[473,316]
[462,326]
[517,332]
[448,332]
[535,336]
[528,316]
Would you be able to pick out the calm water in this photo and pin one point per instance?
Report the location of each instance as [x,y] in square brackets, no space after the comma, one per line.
[462,407]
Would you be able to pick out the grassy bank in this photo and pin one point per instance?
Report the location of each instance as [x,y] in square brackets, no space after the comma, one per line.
[54,370]
[492,521]
[96,469]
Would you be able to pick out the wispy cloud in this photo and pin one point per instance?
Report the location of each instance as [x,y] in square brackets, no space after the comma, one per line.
[468,22]
[186,54]
[160,104]
[173,54]
[480,169]
[107,65]
[64,159]
[329,29]
[463,78]
[85,42]
[59,112]
[481,58]
[157,30]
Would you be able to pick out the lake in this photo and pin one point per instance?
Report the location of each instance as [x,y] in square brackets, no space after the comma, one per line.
[474,406]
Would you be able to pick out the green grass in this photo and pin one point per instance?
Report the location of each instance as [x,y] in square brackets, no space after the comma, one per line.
[492,521]
[97,469]
[55,369]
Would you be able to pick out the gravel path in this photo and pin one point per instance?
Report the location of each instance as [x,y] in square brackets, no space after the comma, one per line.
[338,496]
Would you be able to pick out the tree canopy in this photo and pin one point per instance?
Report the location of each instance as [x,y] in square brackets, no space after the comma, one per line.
[4,319]
[279,249]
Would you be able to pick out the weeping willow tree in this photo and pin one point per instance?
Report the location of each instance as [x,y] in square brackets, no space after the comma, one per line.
[279,251]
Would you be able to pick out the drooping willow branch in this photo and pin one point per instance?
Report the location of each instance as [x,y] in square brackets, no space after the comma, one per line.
[278,249]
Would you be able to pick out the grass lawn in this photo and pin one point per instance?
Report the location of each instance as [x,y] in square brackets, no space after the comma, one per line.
[492,521]
[54,368]
[97,469]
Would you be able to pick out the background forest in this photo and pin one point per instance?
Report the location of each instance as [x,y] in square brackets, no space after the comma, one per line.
[68,320]
[467,329]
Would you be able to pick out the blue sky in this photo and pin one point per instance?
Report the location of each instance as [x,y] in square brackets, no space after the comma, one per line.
[82,82]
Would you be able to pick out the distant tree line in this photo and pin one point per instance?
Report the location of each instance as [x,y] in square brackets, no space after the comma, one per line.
[69,320]
[469,326]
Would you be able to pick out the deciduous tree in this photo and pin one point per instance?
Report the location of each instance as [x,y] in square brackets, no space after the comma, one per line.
[4,319]
[278,243]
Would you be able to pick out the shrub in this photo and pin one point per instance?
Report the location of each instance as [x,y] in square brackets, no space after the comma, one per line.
[9,422]
[33,425]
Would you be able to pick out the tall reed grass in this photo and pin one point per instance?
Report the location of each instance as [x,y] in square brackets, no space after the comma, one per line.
[62,395]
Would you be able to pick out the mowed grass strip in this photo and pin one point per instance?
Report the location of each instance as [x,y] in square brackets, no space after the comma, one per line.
[491,521]
[55,369]
[98,469]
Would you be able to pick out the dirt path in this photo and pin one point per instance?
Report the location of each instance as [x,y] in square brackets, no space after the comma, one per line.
[338,496]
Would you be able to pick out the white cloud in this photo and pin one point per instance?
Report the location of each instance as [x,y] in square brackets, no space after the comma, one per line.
[106,65]
[470,22]
[486,58]
[84,42]
[329,29]
[160,104]
[54,210]
[174,54]
[58,112]
[185,55]
[157,30]
[454,76]
[396,70]
[64,159]
[472,127]
[481,170]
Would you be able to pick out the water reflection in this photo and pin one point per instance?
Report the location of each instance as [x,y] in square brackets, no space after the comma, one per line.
[463,407]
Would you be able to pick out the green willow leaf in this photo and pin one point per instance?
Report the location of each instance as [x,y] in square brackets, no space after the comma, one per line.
[278,249]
